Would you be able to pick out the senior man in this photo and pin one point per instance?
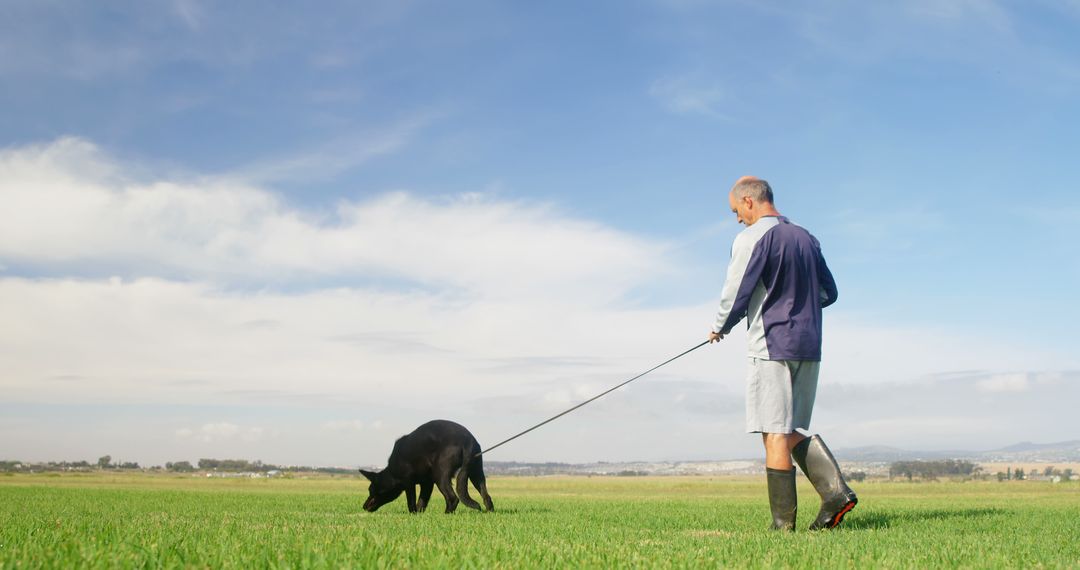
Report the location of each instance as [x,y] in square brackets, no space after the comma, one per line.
[778,279]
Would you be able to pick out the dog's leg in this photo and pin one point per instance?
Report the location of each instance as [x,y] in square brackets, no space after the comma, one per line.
[410,497]
[448,463]
[463,488]
[447,491]
[426,487]
[476,475]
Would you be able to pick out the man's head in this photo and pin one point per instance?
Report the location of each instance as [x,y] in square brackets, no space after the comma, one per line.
[750,199]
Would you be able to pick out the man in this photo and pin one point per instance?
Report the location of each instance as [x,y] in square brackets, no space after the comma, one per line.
[778,279]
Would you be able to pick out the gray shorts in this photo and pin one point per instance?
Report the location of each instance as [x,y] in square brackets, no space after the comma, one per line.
[780,395]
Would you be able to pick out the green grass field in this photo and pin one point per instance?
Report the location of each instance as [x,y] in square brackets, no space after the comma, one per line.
[94,520]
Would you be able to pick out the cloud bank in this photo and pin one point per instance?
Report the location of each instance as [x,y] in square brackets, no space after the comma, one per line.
[162,319]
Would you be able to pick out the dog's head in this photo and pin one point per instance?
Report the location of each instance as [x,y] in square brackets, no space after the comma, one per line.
[384,488]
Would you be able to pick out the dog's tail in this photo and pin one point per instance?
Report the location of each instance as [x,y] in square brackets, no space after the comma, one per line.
[464,474]
[475,467]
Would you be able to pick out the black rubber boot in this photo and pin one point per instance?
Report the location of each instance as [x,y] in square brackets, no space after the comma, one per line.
[782,498]
[820,467]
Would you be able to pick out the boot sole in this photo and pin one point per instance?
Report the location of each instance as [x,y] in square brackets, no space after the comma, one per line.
[839,517]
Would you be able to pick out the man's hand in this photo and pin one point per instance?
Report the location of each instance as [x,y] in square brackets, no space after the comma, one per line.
[714,336]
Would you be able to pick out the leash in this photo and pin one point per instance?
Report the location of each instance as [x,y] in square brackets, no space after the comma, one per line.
[596,397]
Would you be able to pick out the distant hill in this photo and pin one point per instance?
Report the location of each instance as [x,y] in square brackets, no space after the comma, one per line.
[880,453]
[1037,452]
[1027,446]
[626,468]
[1024,451]
[872,458]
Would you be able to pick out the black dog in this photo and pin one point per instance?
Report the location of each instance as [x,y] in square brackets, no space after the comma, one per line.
[430,455]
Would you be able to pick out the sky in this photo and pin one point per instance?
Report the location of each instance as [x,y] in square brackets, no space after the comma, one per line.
[295,233]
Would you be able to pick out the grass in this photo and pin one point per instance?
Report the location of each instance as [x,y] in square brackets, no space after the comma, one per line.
[95,520]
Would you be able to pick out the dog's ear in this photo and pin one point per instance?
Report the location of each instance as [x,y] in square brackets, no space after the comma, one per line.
[371,476]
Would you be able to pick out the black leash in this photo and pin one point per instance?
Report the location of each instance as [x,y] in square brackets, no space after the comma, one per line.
[591,399]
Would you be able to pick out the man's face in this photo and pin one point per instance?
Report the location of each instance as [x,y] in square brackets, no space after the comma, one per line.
[742,208]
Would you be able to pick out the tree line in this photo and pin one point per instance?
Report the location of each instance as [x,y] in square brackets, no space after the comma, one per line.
[221,465]
[1019,474]
[104,462]
[931,470]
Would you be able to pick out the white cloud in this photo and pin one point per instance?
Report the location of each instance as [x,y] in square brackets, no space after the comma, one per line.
[931,432]
[73,40]
[343,425]
[961,13]
[68,205]
[567,396]
[689,94]
[335,157]
[1004,383]
[222,431]
[848,37]
[974,410]
[156,340]
[857,31]
[190,12]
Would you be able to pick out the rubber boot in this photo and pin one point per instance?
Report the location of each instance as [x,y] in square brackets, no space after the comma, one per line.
[782,498]
[820,467]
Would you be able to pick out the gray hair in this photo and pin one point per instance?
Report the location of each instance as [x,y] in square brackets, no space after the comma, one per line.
[756,188]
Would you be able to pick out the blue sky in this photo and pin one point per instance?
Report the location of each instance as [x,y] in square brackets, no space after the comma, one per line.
[233,230]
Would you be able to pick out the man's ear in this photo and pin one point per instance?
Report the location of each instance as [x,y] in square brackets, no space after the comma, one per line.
[371,476]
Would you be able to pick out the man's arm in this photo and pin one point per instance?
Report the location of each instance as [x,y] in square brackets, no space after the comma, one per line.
[829,293]
[738,284]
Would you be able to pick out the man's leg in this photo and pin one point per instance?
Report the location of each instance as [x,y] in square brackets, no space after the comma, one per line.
[780,474]
[778,448]
[769,407]
[815,459]
[820,467]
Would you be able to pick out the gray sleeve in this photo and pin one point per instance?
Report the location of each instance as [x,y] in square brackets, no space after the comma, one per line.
[741,251]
